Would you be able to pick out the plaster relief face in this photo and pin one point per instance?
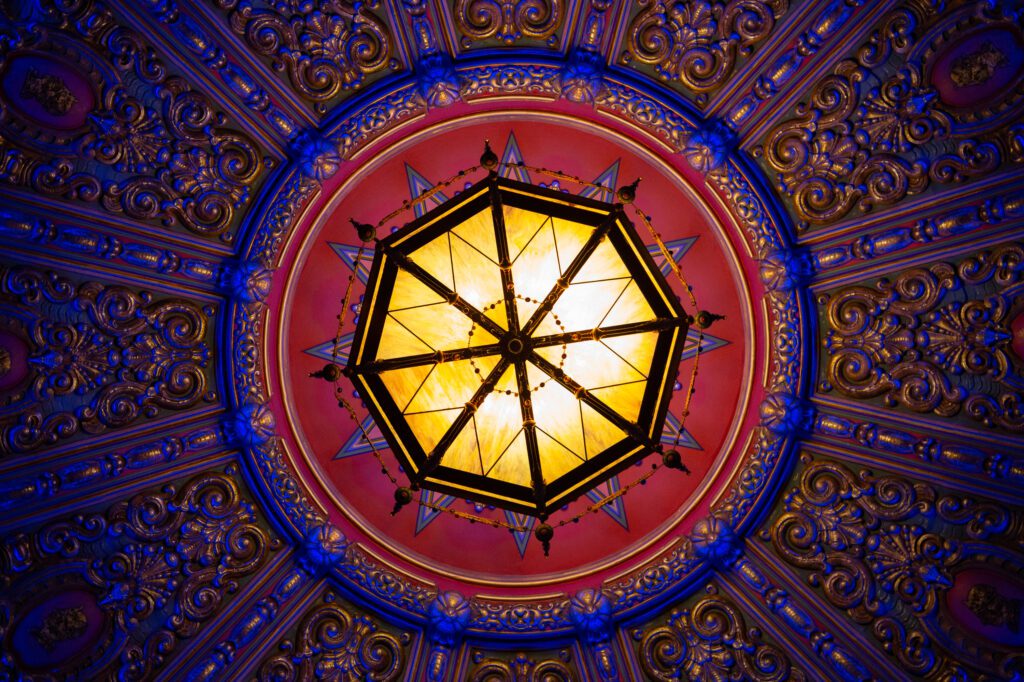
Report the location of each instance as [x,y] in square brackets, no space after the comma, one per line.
[988,604]
[979,68]
[63,627]
[47,93]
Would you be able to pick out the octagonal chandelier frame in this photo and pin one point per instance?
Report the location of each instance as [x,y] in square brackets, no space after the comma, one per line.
[516,345]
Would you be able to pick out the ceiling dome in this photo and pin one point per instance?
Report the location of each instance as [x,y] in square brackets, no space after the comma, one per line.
[181,500]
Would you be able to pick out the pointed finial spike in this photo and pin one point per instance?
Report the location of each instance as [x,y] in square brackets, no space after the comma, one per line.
[627,193]
[544,533]
[366,232]
[706,319]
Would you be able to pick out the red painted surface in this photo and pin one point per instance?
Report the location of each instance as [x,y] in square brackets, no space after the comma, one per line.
[451,550]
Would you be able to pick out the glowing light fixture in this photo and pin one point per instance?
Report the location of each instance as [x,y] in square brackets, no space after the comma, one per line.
[517,346]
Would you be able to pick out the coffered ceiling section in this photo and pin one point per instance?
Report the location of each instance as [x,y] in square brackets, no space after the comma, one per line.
[848,172]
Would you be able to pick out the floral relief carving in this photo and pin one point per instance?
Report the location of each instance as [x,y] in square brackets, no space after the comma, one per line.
[100,356]
[887,552]
[697,42]
[711,641]
[327,47]
[161,564]
[508,20]
[916,342]
[149,146]
[875,130]
[336,642]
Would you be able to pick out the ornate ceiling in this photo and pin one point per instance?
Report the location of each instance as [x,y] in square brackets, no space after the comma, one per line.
[179,500]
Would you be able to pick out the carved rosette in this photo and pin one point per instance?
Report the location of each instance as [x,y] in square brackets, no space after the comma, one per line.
[698,43]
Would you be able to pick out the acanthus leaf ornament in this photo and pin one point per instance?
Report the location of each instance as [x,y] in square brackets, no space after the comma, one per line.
[336,641]
[710,640]
[530,666]
[875,131]
[889,552]
[158,565]
[124,356]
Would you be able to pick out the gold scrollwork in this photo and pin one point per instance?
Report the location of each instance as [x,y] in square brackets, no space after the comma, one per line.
[696,42]
[873,132]
[333,641]
[711,641]
[327,46]
[908,342]
[886,551]
[508,20]
[120,356]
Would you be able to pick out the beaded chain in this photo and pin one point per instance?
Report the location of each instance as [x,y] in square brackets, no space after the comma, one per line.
[626,195]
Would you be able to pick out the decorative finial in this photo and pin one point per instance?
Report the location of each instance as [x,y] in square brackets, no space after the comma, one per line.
[544,533]
[673,460]
[488,159]
[403,496]
[705,319]
[366,232]
[627,193]
[330,372]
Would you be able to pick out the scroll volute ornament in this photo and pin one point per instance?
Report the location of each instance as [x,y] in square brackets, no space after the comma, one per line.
[711,641]
[508,20]
[102,357]
[327,46]
[908,342]
[696,42]
[888,551]
[335,641]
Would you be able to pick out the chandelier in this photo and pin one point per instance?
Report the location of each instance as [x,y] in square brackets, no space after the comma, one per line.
[517,345]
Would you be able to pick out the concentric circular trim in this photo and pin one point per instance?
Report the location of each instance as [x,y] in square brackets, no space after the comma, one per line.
[707,148]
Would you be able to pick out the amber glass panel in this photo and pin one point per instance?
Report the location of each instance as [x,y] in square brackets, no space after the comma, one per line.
[436,259]
[513,465]
[600,433]
[397,342]
[450,384]
[556,411]
[591,364]
[442,327]
[409,292]
[429,427]
[402,384]
[636,349]
[463,453]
